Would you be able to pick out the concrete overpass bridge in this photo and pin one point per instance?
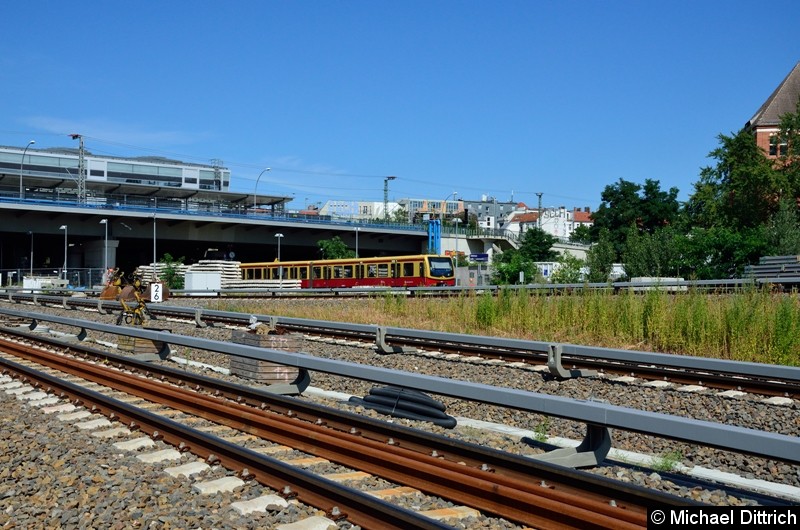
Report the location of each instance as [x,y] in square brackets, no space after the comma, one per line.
[38,236]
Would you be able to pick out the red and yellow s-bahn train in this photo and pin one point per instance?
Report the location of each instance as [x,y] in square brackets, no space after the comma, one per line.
[422,270]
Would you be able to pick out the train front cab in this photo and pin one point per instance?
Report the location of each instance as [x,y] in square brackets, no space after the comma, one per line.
[439,271]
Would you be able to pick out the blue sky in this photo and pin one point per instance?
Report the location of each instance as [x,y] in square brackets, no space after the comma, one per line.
[498,98]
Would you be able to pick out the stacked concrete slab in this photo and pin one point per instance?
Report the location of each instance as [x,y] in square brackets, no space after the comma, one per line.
[774,267]
[229,272]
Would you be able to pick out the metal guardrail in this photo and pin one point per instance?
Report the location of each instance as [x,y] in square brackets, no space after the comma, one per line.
[785,373]
[720,436]
[670,285]
[669,361]
[227,213]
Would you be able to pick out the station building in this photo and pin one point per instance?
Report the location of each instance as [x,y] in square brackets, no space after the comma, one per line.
[75,175]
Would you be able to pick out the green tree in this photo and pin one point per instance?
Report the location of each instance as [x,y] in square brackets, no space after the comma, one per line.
[600,258]
[582,234]
[471,220]
[537,245]
[334,248]
[507,266]
[627,207]
[741,191]
[171,275]
[789,159]
[783,231]
[656,254]
[570,269]
[399,215]
[721,252]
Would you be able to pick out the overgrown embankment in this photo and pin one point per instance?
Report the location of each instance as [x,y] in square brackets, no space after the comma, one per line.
[750,325]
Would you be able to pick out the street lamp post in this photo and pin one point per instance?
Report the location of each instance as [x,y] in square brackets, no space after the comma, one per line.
[279,236]
[104,222]
[30,233]
[255,191]
[456,222]
[64,269]
[21,162]
[444,204]
[357,230]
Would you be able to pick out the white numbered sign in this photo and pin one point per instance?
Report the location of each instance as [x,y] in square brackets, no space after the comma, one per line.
[156,292]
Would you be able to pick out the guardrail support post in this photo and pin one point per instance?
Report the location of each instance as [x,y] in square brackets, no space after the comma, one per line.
[557,370]
[198,318]
[383,347]
[162,353]
[590,452]
[296,387]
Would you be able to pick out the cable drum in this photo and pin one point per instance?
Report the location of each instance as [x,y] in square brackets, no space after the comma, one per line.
[406,403]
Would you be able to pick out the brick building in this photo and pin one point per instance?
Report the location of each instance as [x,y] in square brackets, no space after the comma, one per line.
[765,123]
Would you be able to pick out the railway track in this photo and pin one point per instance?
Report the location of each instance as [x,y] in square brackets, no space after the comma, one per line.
[561,361]
[483,480]
[239,321]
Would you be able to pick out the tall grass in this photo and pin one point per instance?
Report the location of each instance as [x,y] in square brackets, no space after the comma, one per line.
[750,325]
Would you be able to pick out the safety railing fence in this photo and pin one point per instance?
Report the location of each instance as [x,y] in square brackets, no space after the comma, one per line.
[76,278]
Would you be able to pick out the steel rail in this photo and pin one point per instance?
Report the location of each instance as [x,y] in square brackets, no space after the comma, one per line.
[285,479]
[747,376]
[720,436]
[414,439]
[786,378]
[510,498]
[668,285]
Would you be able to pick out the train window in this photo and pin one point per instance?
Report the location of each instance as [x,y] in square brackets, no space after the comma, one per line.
[303,273]
[359,271]
[441,267]
[342,271]
[317,272]
[327,273]
[408,269]
[383,270]
[292,273]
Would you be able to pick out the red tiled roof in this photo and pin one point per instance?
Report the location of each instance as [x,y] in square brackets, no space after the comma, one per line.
[579,216]
[527,217]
